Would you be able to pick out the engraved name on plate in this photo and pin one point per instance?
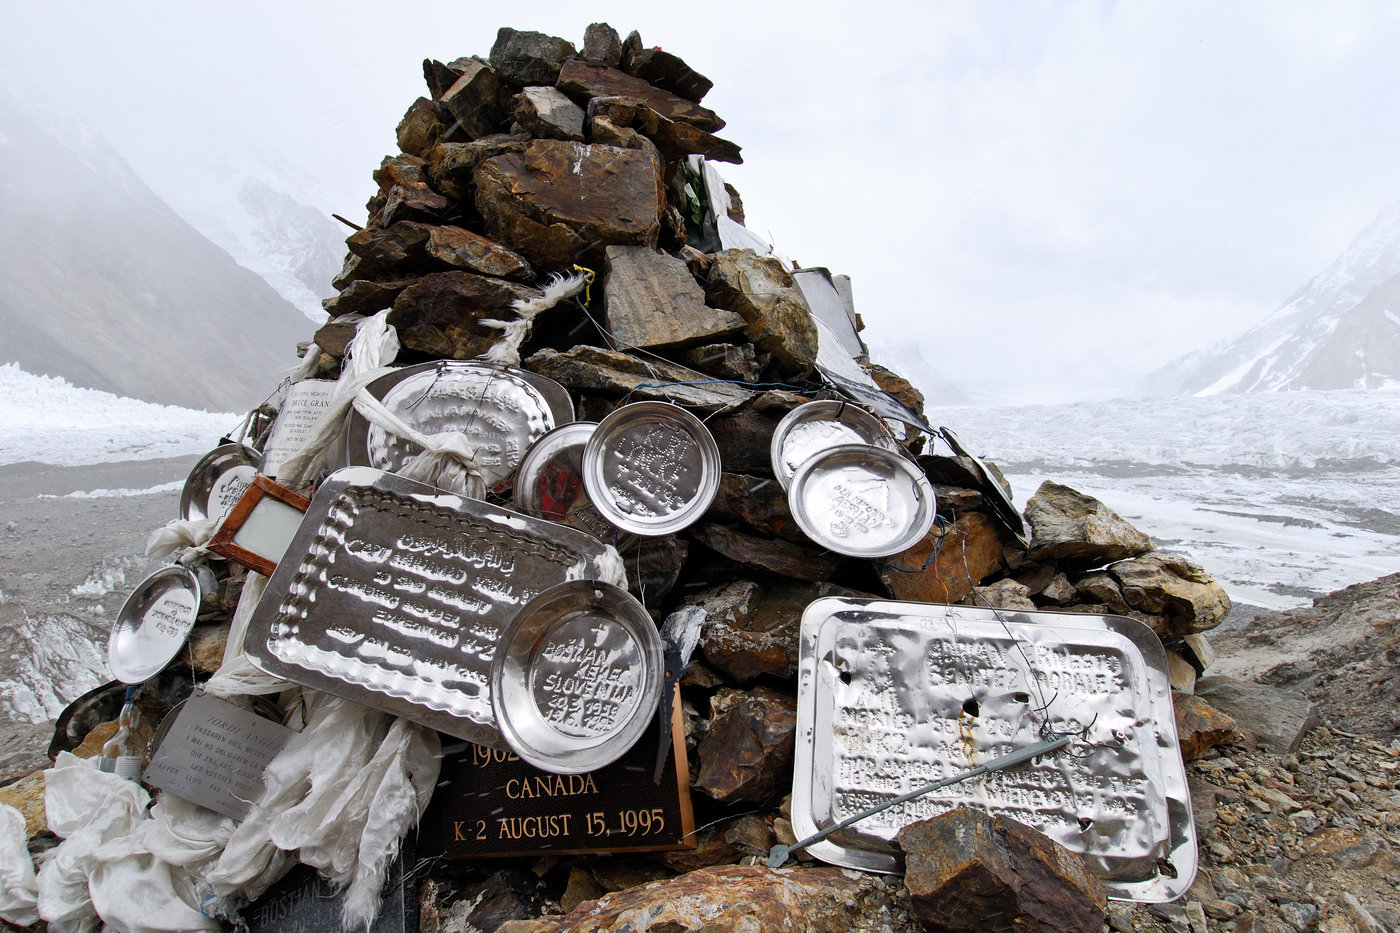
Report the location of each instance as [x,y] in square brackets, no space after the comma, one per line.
[170,616]
[852,508]
[657,469]
[586,677]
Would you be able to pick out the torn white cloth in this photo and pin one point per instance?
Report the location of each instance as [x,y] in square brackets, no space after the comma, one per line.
[506,351]
[185,538]
[237,676]
[19,888]
[447,460]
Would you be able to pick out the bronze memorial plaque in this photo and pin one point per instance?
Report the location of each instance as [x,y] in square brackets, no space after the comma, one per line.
[490,803]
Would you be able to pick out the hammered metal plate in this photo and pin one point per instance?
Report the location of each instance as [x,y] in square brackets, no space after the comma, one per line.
[218,481]
[813,428]
[893,696]
[651,468]
[549,484]
[501,411]
[577,678]
[154,623]
[399,595]
[862,501]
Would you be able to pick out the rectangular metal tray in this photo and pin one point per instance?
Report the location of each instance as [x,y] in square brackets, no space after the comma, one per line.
[394,594]
[893,696]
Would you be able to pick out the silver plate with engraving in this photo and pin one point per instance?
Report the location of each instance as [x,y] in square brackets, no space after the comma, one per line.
[500,410]
[893,696]
[651,468]
[400,593]
[813,428]
[549,484]
[154,622]
[218,481]
[577,678]
[862,501]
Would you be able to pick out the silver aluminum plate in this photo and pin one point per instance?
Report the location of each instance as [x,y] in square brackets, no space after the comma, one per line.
[154,623]
[862,501]
[399,593]
[893,696]
[816,427]
[501,411]
[651,468]
[218,481]
[549,484]
[577,678]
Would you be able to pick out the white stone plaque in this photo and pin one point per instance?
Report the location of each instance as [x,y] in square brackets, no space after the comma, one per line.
[305,406]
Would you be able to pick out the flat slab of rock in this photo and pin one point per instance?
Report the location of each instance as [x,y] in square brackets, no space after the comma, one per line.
[947,563]
[364,296]
[439,314]
[582,80]
[1069,526]
[652,301]
[660,68]
[1200,726]
[747,753]
[781,557]
[760,289]
[1275,717]
[522,57]
[547,112]
[474,99]
[1170,586]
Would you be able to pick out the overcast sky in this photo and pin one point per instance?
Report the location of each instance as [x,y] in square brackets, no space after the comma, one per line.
[1046,197]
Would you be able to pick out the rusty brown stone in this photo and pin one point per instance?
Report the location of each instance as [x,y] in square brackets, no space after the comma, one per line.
[438,77]
[947,563]
[366,296]
[676,139]
[451,167]
[760,289]
[747,753]
[781,557]
[669,72]
[458,248]
[1171,586]
[474,99]
[760,502]
[969,872]
[651,300]
[900,388]
[559,203]
[655,564]
[1078,529]
[439,314]
[407,202]
[1200,726]
[333,337]
[724,844]
[546,112]
[27,796]
[420,128]
[403,170]
[582,80]
[743,438]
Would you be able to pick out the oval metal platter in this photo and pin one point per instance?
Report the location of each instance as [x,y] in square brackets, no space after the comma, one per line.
[549,484]
[577,677]
[500,410]
[862,501]
[811,429]
[153,624]
[651,468]
[218,481]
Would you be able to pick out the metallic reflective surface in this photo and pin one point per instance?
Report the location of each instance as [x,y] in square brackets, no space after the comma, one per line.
[862,501]
[651,468]
[892,696]
[577,678]
[816,427]
[154,623]
[395,595]
[218,481]
[549,484]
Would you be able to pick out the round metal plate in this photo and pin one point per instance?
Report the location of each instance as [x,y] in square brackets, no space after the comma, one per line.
[862,501]
[651,468]
[500,411]
[153,624]
[810,429]
[549,484]
[218,481]
[577,677]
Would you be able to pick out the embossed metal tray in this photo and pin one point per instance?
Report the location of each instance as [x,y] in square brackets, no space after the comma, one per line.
[815,427]
[862,501]
[549,484]
[651,468]
[577,677]
[893,696]
[501,410]
[155,621]
[217,481]
[399,594]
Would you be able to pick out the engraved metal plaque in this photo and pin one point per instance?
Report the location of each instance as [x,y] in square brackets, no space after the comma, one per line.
[398,594]
[862,501]
[549,484]
[218,481]
[155,621]
[816,427]
[501,412]
[893,696]
[297,421]
[489,803]
[651,468]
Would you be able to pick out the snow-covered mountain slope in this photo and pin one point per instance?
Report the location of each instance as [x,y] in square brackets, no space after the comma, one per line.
[1339,331]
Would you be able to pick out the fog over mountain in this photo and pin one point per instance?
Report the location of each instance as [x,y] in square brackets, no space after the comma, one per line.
[107,287]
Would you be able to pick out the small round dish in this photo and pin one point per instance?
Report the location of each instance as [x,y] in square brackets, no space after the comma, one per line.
[549,484]
[651,468]
[576,678]
[218,481]
[153,624]
[862,501]
[810,429]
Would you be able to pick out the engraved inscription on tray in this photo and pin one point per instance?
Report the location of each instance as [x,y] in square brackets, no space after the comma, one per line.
[910,708]
[586,677]
[656,470]
[413,606]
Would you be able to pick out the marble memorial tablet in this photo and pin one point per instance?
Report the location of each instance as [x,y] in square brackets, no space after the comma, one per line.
[299,418]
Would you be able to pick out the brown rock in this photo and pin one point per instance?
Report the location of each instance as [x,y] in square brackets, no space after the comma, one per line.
[967,871]
[366,297]
[438,315]
[1347,847]
[743,438]
[27,796]
[559,202]
[438,77]
[402,170]
[655,565]
[726,361]
[1173,587]
[420,128]
[333,337]
[1276,717]
[668,72]
[522,57]
[760,289]
[1003,594]
[446,905]
[397,248]
[457,248]
[747,753]
[731,899]
[1101,587]
[652,301]
[1074,528]
[1200,726]
[451,167]
[1059,590]
[408,202]
[474,99]
[601,45]
[781,557]
[724,844]
[892,383]
[759,502]
[547,113]
[934,572]
[751,629]
[581,81]
[676,139]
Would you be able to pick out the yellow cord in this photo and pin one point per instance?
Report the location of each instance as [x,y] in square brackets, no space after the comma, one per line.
[588,288]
